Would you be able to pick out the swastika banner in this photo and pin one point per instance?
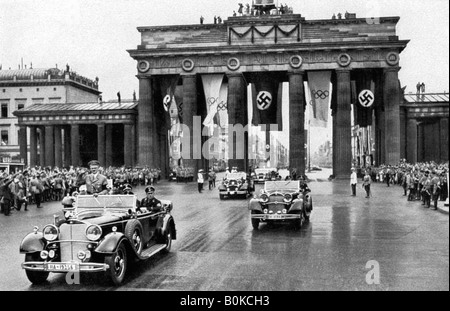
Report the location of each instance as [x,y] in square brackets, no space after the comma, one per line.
[320,96]
[267,102]
[363,98]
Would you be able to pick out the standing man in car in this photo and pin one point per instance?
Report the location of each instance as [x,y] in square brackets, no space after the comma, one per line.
[96,183]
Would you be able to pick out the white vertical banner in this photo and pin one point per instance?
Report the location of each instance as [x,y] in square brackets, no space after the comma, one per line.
[319,87]
[222,110]
[211,87]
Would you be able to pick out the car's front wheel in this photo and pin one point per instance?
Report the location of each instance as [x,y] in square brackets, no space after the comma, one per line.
[117,263]
[221,196]
[35,277]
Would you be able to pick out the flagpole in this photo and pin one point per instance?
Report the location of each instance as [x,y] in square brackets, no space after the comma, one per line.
[309,145]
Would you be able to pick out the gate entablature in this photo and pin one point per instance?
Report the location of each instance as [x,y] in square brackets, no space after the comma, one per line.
[268,43]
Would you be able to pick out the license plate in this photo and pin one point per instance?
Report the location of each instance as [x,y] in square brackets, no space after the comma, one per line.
[62,266]
[274,217]
[231,192]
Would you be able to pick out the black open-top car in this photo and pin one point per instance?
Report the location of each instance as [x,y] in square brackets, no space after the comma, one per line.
[281,201]
[236,185]
[99,234]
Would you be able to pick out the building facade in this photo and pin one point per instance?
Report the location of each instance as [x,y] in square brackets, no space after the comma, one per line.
[22,88]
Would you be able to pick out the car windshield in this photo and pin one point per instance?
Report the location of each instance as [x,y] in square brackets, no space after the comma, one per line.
[262,171]
[236,176]
[106,201]
[284,186]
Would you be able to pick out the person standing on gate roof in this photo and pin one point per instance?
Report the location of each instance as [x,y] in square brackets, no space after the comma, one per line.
[200,180]
[353,181]
[96,183]
[366,184]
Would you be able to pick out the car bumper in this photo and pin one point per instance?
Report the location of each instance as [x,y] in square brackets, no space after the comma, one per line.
[233,192]
[64,267]
[279,217]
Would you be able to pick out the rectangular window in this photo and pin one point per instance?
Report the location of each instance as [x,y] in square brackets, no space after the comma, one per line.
[4,111]
[20,106]
[4,137]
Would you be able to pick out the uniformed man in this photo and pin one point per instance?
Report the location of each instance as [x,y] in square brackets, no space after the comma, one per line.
[435,188]
[96,183]
[150,202]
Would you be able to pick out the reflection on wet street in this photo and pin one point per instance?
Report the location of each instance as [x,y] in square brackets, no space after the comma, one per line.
[217,249]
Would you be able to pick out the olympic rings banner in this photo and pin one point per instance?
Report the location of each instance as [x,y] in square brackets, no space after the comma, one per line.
[320,93]
[211,87]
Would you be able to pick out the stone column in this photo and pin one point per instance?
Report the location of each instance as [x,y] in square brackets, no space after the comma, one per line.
[23,143]
[108,147]
[58,147]
[444,139]
[41,146]
[127,143]
[49,146]
[67,147]
[189,111]
[392,112]
[402,115]
[411,141]
[296,122]
[33,146]
[342,130]
[133,145]
[420,143]
[146,122]
[237,114]
[101,143]
[75,142]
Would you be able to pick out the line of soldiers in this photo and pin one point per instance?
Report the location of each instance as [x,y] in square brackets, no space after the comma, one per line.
[42,184]
[426,182]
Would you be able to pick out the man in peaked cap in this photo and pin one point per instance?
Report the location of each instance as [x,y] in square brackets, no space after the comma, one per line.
[150,203]
[96,183]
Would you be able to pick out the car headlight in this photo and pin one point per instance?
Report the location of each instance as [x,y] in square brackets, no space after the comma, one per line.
[93,232]
[288,198]
[50,232]
[264,198]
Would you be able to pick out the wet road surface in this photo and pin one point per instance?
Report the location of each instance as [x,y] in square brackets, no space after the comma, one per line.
[217,248]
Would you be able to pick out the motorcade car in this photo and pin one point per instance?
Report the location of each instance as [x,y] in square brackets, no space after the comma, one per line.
[98,233]
[236,185]
[281,202]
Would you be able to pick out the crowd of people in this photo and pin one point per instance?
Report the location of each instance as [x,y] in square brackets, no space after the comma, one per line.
[426,181]
[35,185]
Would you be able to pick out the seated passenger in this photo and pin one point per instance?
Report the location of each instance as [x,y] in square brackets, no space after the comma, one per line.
[150,202]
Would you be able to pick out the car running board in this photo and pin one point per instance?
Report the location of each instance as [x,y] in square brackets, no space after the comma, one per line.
[152,250]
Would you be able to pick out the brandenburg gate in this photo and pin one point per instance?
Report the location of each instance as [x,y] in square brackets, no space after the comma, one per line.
[262,50]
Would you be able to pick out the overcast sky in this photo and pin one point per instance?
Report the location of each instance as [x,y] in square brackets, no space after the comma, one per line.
[92,36]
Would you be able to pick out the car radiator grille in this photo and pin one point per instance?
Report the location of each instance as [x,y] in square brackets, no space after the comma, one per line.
[276,207]
[72,234]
